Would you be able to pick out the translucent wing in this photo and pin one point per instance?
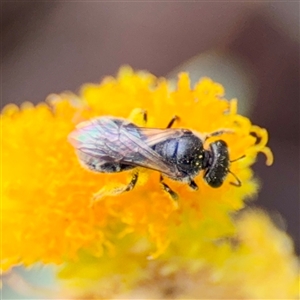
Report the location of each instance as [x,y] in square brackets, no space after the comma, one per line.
[141,140]
[153,136]
[115,140]
[99,138]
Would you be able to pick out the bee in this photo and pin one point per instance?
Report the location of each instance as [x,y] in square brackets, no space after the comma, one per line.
[109,145]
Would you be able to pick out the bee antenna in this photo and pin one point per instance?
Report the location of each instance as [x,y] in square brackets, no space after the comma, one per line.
[238,183]
[238,158]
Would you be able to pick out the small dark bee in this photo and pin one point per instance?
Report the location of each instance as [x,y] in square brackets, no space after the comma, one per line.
[109,145]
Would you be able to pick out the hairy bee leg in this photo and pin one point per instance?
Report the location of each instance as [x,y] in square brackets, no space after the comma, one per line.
[132,183]
[193,185]
[175,118]
[173,195]
[217,133]
[115,191]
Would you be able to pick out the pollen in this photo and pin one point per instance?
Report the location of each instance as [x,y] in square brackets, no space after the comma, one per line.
[48,210]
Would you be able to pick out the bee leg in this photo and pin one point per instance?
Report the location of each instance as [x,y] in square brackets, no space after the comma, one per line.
[132,183]
[104,192]
[145,116]
[175,118]
[193,185]
[138,116]
[217,133]
[173,195]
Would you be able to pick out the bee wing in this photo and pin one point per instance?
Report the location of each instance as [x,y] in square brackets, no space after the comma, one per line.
[154,136]
[141,140]
[99,138]
[114,140]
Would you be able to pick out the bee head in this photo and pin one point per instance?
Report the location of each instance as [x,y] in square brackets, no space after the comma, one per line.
[218,163]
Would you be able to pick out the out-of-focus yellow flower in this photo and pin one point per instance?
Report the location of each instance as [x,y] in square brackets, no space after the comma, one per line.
[258,264]
[46,193]
[47,214]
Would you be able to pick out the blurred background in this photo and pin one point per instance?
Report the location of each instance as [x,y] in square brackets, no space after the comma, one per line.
[251,48]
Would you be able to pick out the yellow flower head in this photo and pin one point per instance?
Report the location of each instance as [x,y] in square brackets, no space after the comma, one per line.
[54,210]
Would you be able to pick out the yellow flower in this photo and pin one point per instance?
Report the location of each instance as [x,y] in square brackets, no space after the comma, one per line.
[47,214]
[258,264]
[55,211]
